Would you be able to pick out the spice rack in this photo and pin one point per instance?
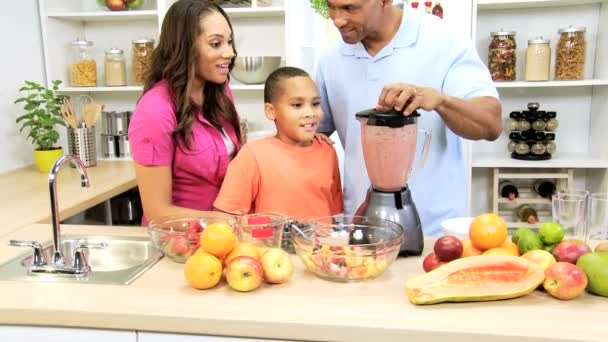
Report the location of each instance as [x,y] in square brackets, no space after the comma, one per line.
[504,207]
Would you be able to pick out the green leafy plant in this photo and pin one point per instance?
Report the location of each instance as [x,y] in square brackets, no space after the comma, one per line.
[42,113]
[320,6]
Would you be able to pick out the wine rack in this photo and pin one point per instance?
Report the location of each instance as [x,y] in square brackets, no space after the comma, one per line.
[564,180]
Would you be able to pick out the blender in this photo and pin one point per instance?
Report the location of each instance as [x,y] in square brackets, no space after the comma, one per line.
[388,140]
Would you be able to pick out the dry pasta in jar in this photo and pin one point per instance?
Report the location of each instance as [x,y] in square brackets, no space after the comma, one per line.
[142,59]
[83,68]
[570,54]
[502,56]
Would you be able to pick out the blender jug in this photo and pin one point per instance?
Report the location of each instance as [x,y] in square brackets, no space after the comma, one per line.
[389,146]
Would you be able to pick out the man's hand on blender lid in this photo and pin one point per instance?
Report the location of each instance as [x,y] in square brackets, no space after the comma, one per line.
[407,98]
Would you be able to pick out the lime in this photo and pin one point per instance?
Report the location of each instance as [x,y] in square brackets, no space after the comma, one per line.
[551,233]
[528,242]
[519,232]
[549,248]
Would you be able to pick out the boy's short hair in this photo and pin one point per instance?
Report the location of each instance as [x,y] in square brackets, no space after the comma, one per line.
[272,87]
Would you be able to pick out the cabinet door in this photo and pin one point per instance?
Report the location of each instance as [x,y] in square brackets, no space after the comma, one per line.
[11,333]
[157,337]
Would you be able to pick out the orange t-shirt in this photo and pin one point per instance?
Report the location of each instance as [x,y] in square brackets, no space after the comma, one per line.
[268,175]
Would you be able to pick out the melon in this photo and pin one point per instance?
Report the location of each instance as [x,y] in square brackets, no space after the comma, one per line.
[476,278]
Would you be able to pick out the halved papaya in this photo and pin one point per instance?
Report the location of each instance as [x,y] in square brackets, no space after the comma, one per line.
[476,278]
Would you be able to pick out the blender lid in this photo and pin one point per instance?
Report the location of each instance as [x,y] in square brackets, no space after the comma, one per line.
[389,118]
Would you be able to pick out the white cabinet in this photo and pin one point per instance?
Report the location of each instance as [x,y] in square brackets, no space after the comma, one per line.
[581,106]
[13,333]
[162,337]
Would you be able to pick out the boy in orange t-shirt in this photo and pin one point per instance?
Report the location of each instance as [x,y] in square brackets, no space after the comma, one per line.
[292,173]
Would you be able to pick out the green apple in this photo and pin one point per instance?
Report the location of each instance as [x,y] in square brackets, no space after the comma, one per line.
[134,4]
[595,266]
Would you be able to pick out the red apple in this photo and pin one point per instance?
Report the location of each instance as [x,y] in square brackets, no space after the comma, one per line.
[277,266]
[448,248]
[116,5]
[565,281]
[431,262]
[244,273]
[570,250]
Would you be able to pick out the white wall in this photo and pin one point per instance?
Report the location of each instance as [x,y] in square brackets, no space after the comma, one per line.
[21,59]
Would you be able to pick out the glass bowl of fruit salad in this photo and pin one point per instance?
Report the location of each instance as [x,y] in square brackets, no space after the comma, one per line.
[346,248]
[178,236]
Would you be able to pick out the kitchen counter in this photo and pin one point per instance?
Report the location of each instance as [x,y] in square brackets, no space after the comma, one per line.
[25,196]
[306,308]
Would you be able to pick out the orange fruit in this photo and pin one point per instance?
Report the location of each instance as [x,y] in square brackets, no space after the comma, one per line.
[511,247]
[488,231]
[218,239]
[243,249]
[497,251]
[468,249]
[202,270]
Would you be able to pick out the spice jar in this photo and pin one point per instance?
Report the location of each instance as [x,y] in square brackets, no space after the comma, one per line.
[570,54]
[142,59]
[538,148]
[511,146]
[513,123]
[538,60]
[502,55]
[115,69]
[540,123]
[83,68]
[551,147]
[552,122]
[522,148]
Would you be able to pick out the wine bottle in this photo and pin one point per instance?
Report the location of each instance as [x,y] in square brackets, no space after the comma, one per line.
[508,190]
[544,188]
[526,213]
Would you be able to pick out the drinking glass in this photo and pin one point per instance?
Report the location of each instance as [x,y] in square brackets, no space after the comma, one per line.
[570,210]
[597,228]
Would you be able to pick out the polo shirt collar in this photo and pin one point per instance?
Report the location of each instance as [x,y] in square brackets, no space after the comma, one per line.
[406,36]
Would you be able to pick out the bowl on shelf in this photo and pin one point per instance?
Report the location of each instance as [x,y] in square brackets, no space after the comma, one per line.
[120,5]
[254,69]
[457,226]
[346,248]
[178,236]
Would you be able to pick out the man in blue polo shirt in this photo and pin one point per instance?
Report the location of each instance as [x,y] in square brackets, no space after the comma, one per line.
[389,58]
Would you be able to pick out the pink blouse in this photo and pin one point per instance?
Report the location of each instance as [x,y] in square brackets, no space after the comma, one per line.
[198,171]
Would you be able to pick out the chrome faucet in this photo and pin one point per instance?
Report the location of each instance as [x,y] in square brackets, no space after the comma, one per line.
[58,264]
[58,257]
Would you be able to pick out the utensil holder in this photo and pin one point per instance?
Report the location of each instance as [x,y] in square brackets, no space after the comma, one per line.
[81,143]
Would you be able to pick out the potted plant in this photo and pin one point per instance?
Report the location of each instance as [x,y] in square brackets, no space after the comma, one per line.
[42,115]
[320,6]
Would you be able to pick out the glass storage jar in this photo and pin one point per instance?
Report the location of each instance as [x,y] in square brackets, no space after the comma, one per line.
[502,56]
[538,60]
[115,68]
[83,68]
[570,54]
[142,59]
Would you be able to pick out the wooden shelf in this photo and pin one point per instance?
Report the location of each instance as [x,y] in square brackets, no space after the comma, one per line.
[104,15]
[100,89]
[520,200]
[513,4]
[551,84]
[559,161]
[253,12]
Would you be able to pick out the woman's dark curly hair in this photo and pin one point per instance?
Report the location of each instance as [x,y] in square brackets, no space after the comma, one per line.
[173,60]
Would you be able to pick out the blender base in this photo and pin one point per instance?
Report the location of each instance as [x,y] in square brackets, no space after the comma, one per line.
[399,208]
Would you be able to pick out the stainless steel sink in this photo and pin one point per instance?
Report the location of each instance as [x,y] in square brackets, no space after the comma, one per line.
[121,262]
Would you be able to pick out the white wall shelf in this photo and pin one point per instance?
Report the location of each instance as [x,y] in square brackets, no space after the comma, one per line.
[512,4]
[105,16]
[551,84]
[519,201]
[240,86]
[255,12]
[100,89]
[560,160]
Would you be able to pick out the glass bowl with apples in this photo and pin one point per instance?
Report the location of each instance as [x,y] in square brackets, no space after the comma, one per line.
[120,5]
[346,248]
[178,235]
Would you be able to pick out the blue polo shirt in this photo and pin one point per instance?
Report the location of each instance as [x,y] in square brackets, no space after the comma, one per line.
[423,52]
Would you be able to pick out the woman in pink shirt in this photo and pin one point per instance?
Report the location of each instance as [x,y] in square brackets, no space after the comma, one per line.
[185,128]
